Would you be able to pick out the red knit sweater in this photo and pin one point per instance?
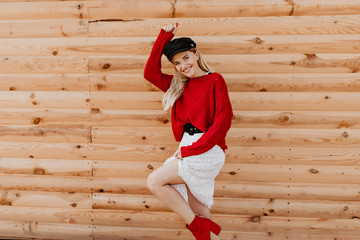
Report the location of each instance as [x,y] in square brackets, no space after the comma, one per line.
[204,103]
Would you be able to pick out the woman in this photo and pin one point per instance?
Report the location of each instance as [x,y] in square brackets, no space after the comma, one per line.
[201,116]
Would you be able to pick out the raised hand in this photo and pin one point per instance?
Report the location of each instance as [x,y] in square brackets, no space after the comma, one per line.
[171,28]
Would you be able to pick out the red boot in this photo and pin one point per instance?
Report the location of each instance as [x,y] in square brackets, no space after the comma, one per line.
[201,228]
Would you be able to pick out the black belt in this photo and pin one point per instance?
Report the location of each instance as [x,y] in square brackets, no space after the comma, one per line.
[189,128]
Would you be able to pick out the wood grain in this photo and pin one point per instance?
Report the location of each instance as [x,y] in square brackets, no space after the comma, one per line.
[210,26]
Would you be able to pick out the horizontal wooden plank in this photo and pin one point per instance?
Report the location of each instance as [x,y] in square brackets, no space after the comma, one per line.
[237,206]
[277,155]
[293,155]
[126,100]
[229,189]
[299,101]
[37,65]
[36,116]
[121,82]
[133,233]
[229,223]
[293,82]
[45,215]
[123,10]
[208,45]
[130,118]
[39,150]
[23,133]
[46,199]
[43,10]
[127,151]
[46,166]
[294,137]
[263,8]
[241,119]
[285,25]
[36,230]
[241,172]
[291,119]
[44,99]
[123,135]
[244,63]
[43,28]
[250,101]
[44,82]
[275,43]
[241,82]
[235,136]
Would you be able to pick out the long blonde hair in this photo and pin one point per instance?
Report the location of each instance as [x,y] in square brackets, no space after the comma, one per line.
[177,84]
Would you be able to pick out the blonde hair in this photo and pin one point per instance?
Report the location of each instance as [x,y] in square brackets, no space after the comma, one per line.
[177,84]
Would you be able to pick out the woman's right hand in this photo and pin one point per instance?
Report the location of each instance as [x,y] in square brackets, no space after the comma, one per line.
[171,28]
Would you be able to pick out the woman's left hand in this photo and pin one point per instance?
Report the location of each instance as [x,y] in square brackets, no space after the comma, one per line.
[177,154]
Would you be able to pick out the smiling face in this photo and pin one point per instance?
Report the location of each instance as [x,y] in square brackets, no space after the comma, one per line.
[186,63]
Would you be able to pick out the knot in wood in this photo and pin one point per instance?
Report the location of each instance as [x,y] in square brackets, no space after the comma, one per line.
[39,171]
[345,134]
[312,170]
[232,173]
[150,167]
[162,148]
[73,204]
[284,118]
[346,208]
[255,219]
[258,40]
[99,86]
[95,110]
[311,56]
[106,66]
[292,63]
[37,120]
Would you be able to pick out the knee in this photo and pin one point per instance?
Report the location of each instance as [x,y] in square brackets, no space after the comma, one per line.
[152,182]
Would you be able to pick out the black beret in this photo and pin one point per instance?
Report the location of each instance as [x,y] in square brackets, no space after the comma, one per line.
[178,45]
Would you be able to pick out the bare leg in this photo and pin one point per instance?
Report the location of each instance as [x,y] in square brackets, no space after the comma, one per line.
[200,209]
[197,206]
[158,183]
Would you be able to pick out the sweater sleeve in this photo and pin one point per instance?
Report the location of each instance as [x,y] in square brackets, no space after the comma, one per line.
[221,123]
[152,71]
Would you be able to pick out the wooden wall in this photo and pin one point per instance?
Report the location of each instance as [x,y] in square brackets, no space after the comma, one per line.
[80,129]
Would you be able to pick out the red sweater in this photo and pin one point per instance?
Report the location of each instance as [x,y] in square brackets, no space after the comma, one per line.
[204,103]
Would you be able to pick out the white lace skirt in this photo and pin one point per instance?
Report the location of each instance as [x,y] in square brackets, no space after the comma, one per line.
[199,171]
